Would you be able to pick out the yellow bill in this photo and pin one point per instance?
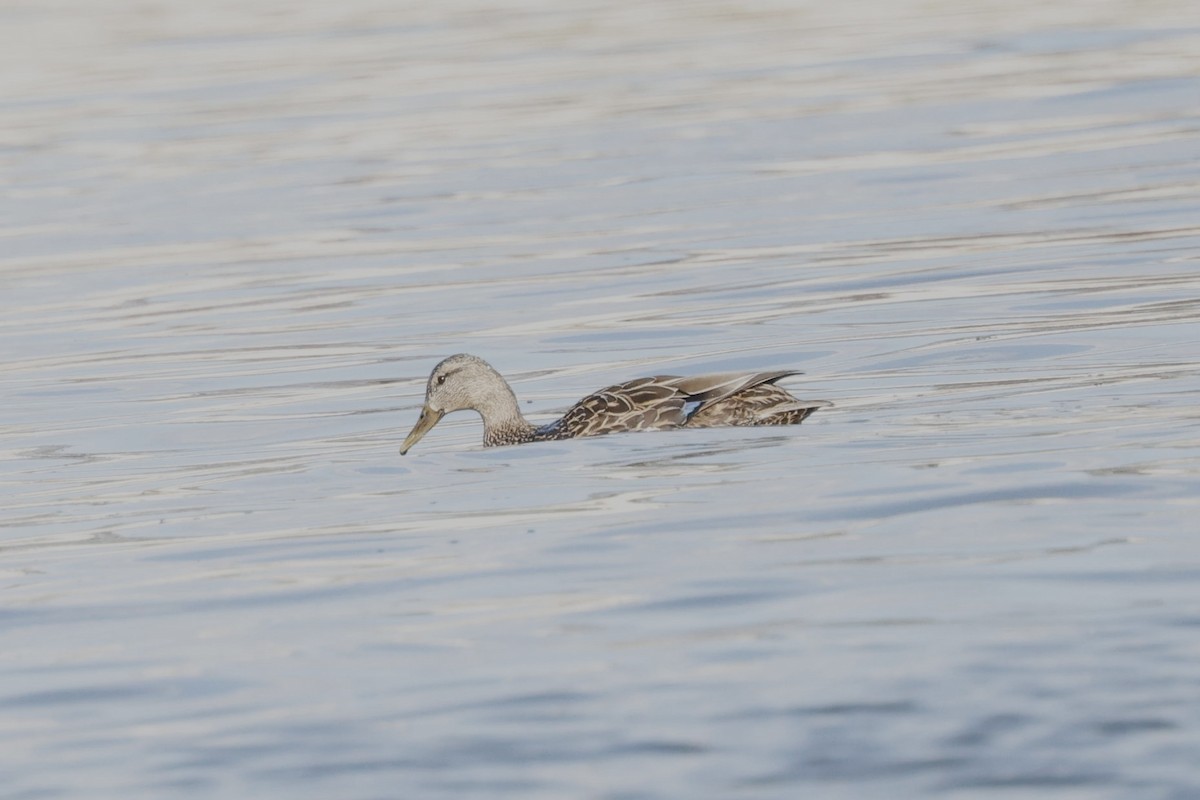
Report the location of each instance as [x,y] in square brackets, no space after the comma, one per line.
[428,419]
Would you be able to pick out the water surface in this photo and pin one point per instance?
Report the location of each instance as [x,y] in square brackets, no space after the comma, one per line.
[237,237]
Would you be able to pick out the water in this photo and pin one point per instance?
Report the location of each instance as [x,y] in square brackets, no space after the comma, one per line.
[236,237]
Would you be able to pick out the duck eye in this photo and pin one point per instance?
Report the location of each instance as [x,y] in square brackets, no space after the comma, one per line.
[441,379]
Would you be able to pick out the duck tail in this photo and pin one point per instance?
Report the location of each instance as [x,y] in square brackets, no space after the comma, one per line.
[791,413]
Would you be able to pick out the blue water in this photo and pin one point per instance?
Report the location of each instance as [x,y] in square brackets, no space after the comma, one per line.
[235,242]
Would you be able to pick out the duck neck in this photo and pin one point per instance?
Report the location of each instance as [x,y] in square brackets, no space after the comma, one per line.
[503,422]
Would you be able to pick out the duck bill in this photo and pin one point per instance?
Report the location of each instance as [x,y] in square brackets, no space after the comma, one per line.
[428,419]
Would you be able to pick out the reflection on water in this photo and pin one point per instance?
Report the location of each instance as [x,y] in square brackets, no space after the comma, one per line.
[237,238]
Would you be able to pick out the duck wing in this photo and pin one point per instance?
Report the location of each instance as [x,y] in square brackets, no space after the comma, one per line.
[670,401]
[709,389]
[641,404]
[745,399]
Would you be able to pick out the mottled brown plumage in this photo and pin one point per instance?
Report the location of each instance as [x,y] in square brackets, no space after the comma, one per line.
[463,382]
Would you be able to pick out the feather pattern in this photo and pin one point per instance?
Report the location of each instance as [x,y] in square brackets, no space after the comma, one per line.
[465,382]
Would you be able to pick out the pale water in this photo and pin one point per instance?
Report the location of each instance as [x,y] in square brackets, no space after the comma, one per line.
[236,237]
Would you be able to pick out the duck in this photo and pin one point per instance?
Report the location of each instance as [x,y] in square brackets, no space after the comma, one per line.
[464,382]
